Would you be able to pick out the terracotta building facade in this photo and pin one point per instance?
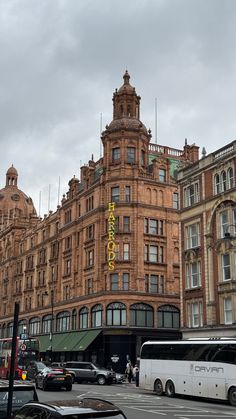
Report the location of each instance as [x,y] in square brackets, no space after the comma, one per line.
[101,274]
[208,243]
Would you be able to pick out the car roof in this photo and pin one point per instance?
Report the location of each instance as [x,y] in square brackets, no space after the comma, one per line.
[79,406]
[17,384]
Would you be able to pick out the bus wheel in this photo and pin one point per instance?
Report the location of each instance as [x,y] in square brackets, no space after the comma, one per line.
[170,389]
[232,396]
[158,387]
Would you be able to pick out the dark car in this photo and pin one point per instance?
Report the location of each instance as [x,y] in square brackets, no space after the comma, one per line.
[34,368]
[53,378]
[23,392]
[68,409]
[87,371]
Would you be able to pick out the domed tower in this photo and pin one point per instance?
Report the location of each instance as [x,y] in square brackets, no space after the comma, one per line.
[126,138]
[14,204]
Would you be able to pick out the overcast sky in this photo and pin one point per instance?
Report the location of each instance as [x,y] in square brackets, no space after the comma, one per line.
[61,61]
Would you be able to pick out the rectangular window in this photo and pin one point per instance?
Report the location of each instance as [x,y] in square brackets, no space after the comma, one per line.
[125,279]
[162,175]
[114,282]
[225,260]
[89,204]
[126,251]
[126,224]
[153,253]
[115,154]
[89,286]
[154,283]
[224,222]
[90,258]
[192,236]
[127,193]
[193,275]
[191,195]
[90,232]
[175,200]
[68,242]
[153,226]
[115,194]
[67,266]
[195,314]
[68,216]
[130,155]
[228,318]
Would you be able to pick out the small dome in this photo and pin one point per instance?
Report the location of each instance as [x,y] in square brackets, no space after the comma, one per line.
[126,86]
[12,171]
[13,202]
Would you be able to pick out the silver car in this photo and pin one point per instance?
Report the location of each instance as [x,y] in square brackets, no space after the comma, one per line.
[87,371]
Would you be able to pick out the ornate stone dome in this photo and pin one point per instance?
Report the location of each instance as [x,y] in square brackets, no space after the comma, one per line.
[126,108]
[13,202]
[127,123]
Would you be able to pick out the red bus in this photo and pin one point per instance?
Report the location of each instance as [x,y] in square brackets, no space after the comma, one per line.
[26,350]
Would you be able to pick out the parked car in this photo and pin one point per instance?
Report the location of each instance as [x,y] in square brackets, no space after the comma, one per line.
[86,408]
[87,371]
[53,378]
[34,368]
[23,392]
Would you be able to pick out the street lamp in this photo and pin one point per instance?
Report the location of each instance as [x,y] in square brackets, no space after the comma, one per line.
[52,322]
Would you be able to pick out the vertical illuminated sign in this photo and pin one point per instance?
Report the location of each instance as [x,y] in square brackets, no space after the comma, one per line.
[111,246]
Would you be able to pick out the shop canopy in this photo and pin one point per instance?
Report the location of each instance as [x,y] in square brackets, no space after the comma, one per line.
[68,342]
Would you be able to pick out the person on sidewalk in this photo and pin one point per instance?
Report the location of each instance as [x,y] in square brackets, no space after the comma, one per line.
[136,375]
[129,371]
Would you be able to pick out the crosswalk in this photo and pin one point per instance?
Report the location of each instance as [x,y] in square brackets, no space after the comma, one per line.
[155,405]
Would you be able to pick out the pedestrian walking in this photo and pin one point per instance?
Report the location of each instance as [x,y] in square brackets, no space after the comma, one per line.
[136,375]
[129,371]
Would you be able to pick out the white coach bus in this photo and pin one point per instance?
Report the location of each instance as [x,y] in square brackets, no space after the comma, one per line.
[203,368]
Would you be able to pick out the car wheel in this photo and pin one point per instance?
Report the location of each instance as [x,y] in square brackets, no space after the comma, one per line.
[232,396]
[72,378]
[69,388]
[158,387]
[170,389]
[101,380]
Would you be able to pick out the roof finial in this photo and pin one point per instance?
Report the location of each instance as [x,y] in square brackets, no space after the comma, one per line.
[126,77]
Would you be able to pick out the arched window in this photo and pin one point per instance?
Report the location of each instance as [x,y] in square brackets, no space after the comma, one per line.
[63,321]
[22,326]
[74,319]
[217,183]
[34,326]
[47,324]
[223,181]
[83,318]
[168,316]
[116,314]
[97,315]
[141,315]
[230,174]
[10,330]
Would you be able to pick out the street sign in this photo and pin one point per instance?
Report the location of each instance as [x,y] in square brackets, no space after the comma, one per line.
[23,347]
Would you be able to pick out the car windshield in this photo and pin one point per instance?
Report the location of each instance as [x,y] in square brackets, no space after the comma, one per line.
[19,397]
[40,365]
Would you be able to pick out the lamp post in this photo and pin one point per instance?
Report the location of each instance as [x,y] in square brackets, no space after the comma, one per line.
[52,322]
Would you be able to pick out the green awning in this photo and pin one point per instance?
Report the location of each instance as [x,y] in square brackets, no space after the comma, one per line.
[44,342]
[86,340]
[70,341]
